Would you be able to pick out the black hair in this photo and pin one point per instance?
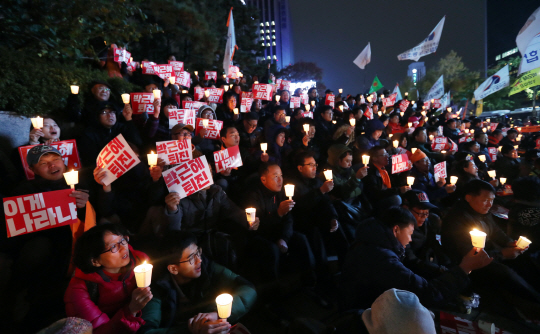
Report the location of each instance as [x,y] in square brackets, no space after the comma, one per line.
[417,131]
[325,108]
[478,134]
[374,150]
[90,245]
[467,146]
[383,118]
[297,111]
[251,116]
[302,156]
[397,216]
[475,187]
[263,169]
[511,131]
[496,132]
[345,154]
[279,107]
[173,245]
[225,129]
[507,148]
[527,188]
[432,129]
[451,120]
[475,122]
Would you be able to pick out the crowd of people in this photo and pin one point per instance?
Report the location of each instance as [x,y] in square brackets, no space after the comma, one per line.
[366,238]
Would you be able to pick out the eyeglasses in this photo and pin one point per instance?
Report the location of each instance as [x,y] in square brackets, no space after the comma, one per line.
[116,247]
[103,89]
[311,165]
[421,215]
[107,111]
[191,257]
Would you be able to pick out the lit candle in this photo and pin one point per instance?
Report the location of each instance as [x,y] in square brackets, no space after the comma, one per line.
[172,80]
[412,102]
[432,100]
[423,113]
[488,120]
[334,122]
[225,88]
[157,93]
[130,59]
[523,242]
[278,97]
[340,108]
[125,98]
[499,148]
[289,191]
[196,72]
[313,103]
[443,151]
[431,137]
[472,131]
[380,113]
[409,124]
[341,90]
[224,305]
[37,122]
[287,119]
[503,180]
[519,129]
[413,150]
[74,89]
[382,96]
[402,113]
[250,213]
[482,158]
[453,180]
[72,178]
[328,174]
[352,121]
[255,82]
[410,180]
[224,76]
[478,238]
[391,135]
[152,158]
[143,274]
[307,107]
[406,93]
[184,91]
[396,143]
[306,128]
[516,147]
[519,137]
[264,147]
[484,130]
[235,111]
[207,93]
[466,130]
[492,173]
[365,159]
[205,123]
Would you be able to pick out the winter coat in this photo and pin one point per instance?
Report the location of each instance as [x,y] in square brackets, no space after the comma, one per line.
[103,302]
[427,184]
[374,187]
[507,167]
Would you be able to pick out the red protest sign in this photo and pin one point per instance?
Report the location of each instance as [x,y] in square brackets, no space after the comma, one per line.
[278,83]
[174,151]
[329,101]
[142,102]
[247,95]
[451,324]
[437,103]
[426,104]
[400,163]
[305,99]
[189,177]
[184,79]
[132,66]
[492,153]
[295,102]
[369,113]
[390,100]
[439,143]
[440,171]
[493,126]
[68,149]
[216,95]
[178,66]
[454,147]
[227,158]
[183,116]
[262,91]
[246,104]
[210,75]
[37,212]
[233,72]
[117,158]
[212,130]
[192,104]
[307,114]
[285,85]
[164,71]
[148,67]
[121,55]
[199,93]
[403,105]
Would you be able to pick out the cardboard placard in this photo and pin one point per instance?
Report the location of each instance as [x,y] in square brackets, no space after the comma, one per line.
[227,158]
[37,212]
[233,72]
[121,55]
[178,66]
[117,158]
[212,130]
[400,163]
[164,71]
[330,100]
[198,93]
[451,324]
[68,149]
[262,92]
[174,151]
[189,177]
[389,101]
[210,75]
[492,153]
[308,114]
[245,105]
[439,143]
[403,105]
[246,95]
[436,103]
[192,104]
[305,99]
[142,102]
[369,113]
[148,67]
[440,171]
[295,102]
[184,79]
[426,104]
[183,116]
[132,66]
[216,95]
[285,85]
[493,126]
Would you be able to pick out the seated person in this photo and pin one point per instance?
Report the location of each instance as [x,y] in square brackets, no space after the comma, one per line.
[424,180]
[494,138]
[278,118]
[510,138]
[370,139]
[278,148]
[507,165]
[186,287]
[49,133]
[419,139]
[450,130]
[374,265]
[103,289]
[206,145]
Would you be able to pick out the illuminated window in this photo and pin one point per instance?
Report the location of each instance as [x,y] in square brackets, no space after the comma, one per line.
[274,37]
[262,24]
[267,37]
[273,23]
[274,43]
[262,31]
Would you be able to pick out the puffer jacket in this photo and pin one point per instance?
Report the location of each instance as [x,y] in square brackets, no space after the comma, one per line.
[111,312]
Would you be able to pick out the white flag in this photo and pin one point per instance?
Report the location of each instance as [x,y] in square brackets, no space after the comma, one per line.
[445,101]
[492,84]
[427,46]
[531,59]
[528,31]
[231,44]
[364,57]
[436,91]
[396,90]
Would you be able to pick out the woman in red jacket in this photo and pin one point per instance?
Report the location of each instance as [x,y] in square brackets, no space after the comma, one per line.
[103,289]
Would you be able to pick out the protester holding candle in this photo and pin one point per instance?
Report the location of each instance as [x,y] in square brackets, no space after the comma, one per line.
[103,289]
[157,127]
[419,140]
[374,129]
[224,111]
[250,142]
[424,180]
[49,133]
[278,148]
[507,165]
[324,129]
[277,119]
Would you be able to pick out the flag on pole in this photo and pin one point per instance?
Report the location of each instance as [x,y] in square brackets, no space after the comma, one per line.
[527,80]
[493,84]
[528,31]
[396,90]
[231,44]
[531,59]
[427,46]
[364,57]
[436,91]
[376,85]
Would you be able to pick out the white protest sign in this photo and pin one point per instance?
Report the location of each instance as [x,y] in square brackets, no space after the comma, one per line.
[117,158]
[174,151]
[189,177]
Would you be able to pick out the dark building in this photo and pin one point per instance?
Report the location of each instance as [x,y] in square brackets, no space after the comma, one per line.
[275,30]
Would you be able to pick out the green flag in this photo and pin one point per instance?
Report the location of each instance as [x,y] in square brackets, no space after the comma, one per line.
[376,85]
[527,80]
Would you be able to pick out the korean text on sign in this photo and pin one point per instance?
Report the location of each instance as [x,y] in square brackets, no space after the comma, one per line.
[246,104]
[68,149]
[400,163]
[189,177]
[192,104]
[216,95]
[184,79]
[148,67]
[439,143]
[121,55]
[142,102]
[329,101]
[492,153]
[164,71]
[178,66]
[117,158]
[181,116]
[295,102]
[227,158]
[37,212]
[285,85]
[174,151]
[210,75]
[403,105]
[440,171]
[198,93]
[262,92]
[212,130]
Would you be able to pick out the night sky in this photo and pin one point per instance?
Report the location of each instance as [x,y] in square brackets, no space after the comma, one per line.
[333,33]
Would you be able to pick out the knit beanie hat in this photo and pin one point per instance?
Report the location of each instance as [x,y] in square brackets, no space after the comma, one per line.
[398,311]
[418,155]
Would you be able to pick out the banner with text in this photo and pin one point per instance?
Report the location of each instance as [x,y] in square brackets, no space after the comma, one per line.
[142,102]
[215,95]
[262,91]
[183,116]
[400,163]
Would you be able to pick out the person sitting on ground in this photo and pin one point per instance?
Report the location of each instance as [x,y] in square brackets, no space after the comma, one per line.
[374,129]
[424,180]
[507,165]
[48,134]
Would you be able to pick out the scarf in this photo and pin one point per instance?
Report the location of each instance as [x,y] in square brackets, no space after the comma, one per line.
[385,177]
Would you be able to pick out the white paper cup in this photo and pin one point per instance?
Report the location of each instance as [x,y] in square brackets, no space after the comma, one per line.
[251,214]
[143,275]
[224,305]
[523,242]
[478,238]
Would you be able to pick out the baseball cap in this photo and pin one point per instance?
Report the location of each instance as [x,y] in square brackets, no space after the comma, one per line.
[417,199]
[180,126]
[38,151]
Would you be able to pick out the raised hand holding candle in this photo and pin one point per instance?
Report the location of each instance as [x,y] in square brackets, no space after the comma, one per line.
[413,150]
[72,178]
[410,180]
[402,113]
[235,111]
[328,174]
[453,180]
[478,238]
[306,128]
[523,242]
[224,305]
[352,121]
[289,191]
[307,107]
[152,158]
[313,103]
[443,152]
[207,93]
[341,90]
[334,122]
[503,180]
[37,122]
[250,214]
[143,274]
[196,72]
[409,124]
[125,98]
[264,147]
[184,91]
[74,89]
[205,123]
[172,80]
[431,137]
[484,130]
[492,173]
[278,97]
[225,88]
[157,93]
[380,113]
[396,143]
[466,130]
[365,160]
[256,82]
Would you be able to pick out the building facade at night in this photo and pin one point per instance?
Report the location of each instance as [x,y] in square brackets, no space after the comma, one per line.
[416,71]
[275,31]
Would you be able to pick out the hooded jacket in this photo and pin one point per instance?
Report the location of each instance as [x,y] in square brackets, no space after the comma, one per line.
[276,153]
[346,186]
[111,312]
[374,265]
[367,141]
